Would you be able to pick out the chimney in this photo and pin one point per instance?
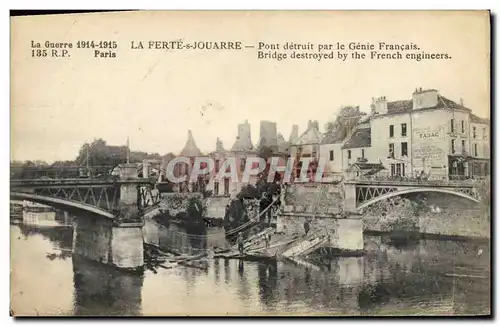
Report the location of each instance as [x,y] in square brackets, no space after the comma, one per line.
[245,135]
[218,145]
[316,124]
[310,124]
[381,105]
[268,131]
[425,98]
[461,101]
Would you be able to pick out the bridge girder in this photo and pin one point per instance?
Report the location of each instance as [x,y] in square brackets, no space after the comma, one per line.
[380,193]
[95,196]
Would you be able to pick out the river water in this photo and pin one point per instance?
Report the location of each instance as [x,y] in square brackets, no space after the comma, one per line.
[425,277]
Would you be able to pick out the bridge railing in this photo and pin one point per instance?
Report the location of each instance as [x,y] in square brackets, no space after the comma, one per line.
[434,179]
[63,172]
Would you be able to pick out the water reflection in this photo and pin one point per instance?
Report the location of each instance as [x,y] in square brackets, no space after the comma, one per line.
[416,278]
[102,291]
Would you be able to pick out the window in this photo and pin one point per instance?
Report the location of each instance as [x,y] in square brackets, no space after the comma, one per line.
[453,146]
[452,125]
[391,131]
[398,170]
[362,153]
[403,130]
[243,161]
[485,136]
[348,154]
[216,188]
[463,146]
[217,166]
[391,150]
[404,149]
[463,127]
[331,156]
[475,150]
[474,132]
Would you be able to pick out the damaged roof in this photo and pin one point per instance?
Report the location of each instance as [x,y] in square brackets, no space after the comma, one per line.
[361,138]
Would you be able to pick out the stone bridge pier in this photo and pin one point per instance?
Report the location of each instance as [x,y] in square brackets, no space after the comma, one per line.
[323,206]
[117,242]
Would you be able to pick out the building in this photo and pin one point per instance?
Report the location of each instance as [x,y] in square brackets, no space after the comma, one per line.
[283,145]
[216,187]
[307,145]
[428,134]
[241,150]
[268,135]
[479,147]
[330,151]
[340,131]
[357,148]
[190,151]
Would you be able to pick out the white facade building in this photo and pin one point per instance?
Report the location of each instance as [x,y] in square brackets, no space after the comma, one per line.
[428,133]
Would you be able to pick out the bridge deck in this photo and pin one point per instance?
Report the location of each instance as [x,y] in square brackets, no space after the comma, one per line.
[406,183]
[74,182]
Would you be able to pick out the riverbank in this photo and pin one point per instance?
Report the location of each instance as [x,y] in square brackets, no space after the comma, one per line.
[429,236]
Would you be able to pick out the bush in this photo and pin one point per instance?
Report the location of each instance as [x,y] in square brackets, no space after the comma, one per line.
[397,214]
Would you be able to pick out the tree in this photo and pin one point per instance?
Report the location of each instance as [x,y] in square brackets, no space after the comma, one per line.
[102,154]
[397,214]
[347,117]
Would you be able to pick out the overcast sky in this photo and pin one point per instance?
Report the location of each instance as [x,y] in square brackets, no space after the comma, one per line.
[154,97]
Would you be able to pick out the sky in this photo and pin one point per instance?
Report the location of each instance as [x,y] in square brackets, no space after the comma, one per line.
[154,96]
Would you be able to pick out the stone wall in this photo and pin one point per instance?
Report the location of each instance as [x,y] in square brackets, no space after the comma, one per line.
[323,209]
[293,224]
[307,198]
[441,214]
[348,234]
[453,215]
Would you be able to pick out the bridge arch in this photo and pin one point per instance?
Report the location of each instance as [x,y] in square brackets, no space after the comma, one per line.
[59,202]
[414,190]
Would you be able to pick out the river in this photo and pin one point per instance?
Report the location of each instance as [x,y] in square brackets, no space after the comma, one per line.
[426,277]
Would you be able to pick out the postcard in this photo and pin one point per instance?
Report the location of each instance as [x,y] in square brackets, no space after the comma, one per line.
[250,163]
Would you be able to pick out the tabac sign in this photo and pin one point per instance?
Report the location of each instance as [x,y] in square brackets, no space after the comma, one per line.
[427,143]
[428,132]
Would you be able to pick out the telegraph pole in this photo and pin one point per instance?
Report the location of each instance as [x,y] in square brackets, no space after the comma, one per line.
[128,150]
[87,160]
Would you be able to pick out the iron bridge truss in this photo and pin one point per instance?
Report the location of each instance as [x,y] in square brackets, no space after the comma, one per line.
[103,196]
[366,193]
